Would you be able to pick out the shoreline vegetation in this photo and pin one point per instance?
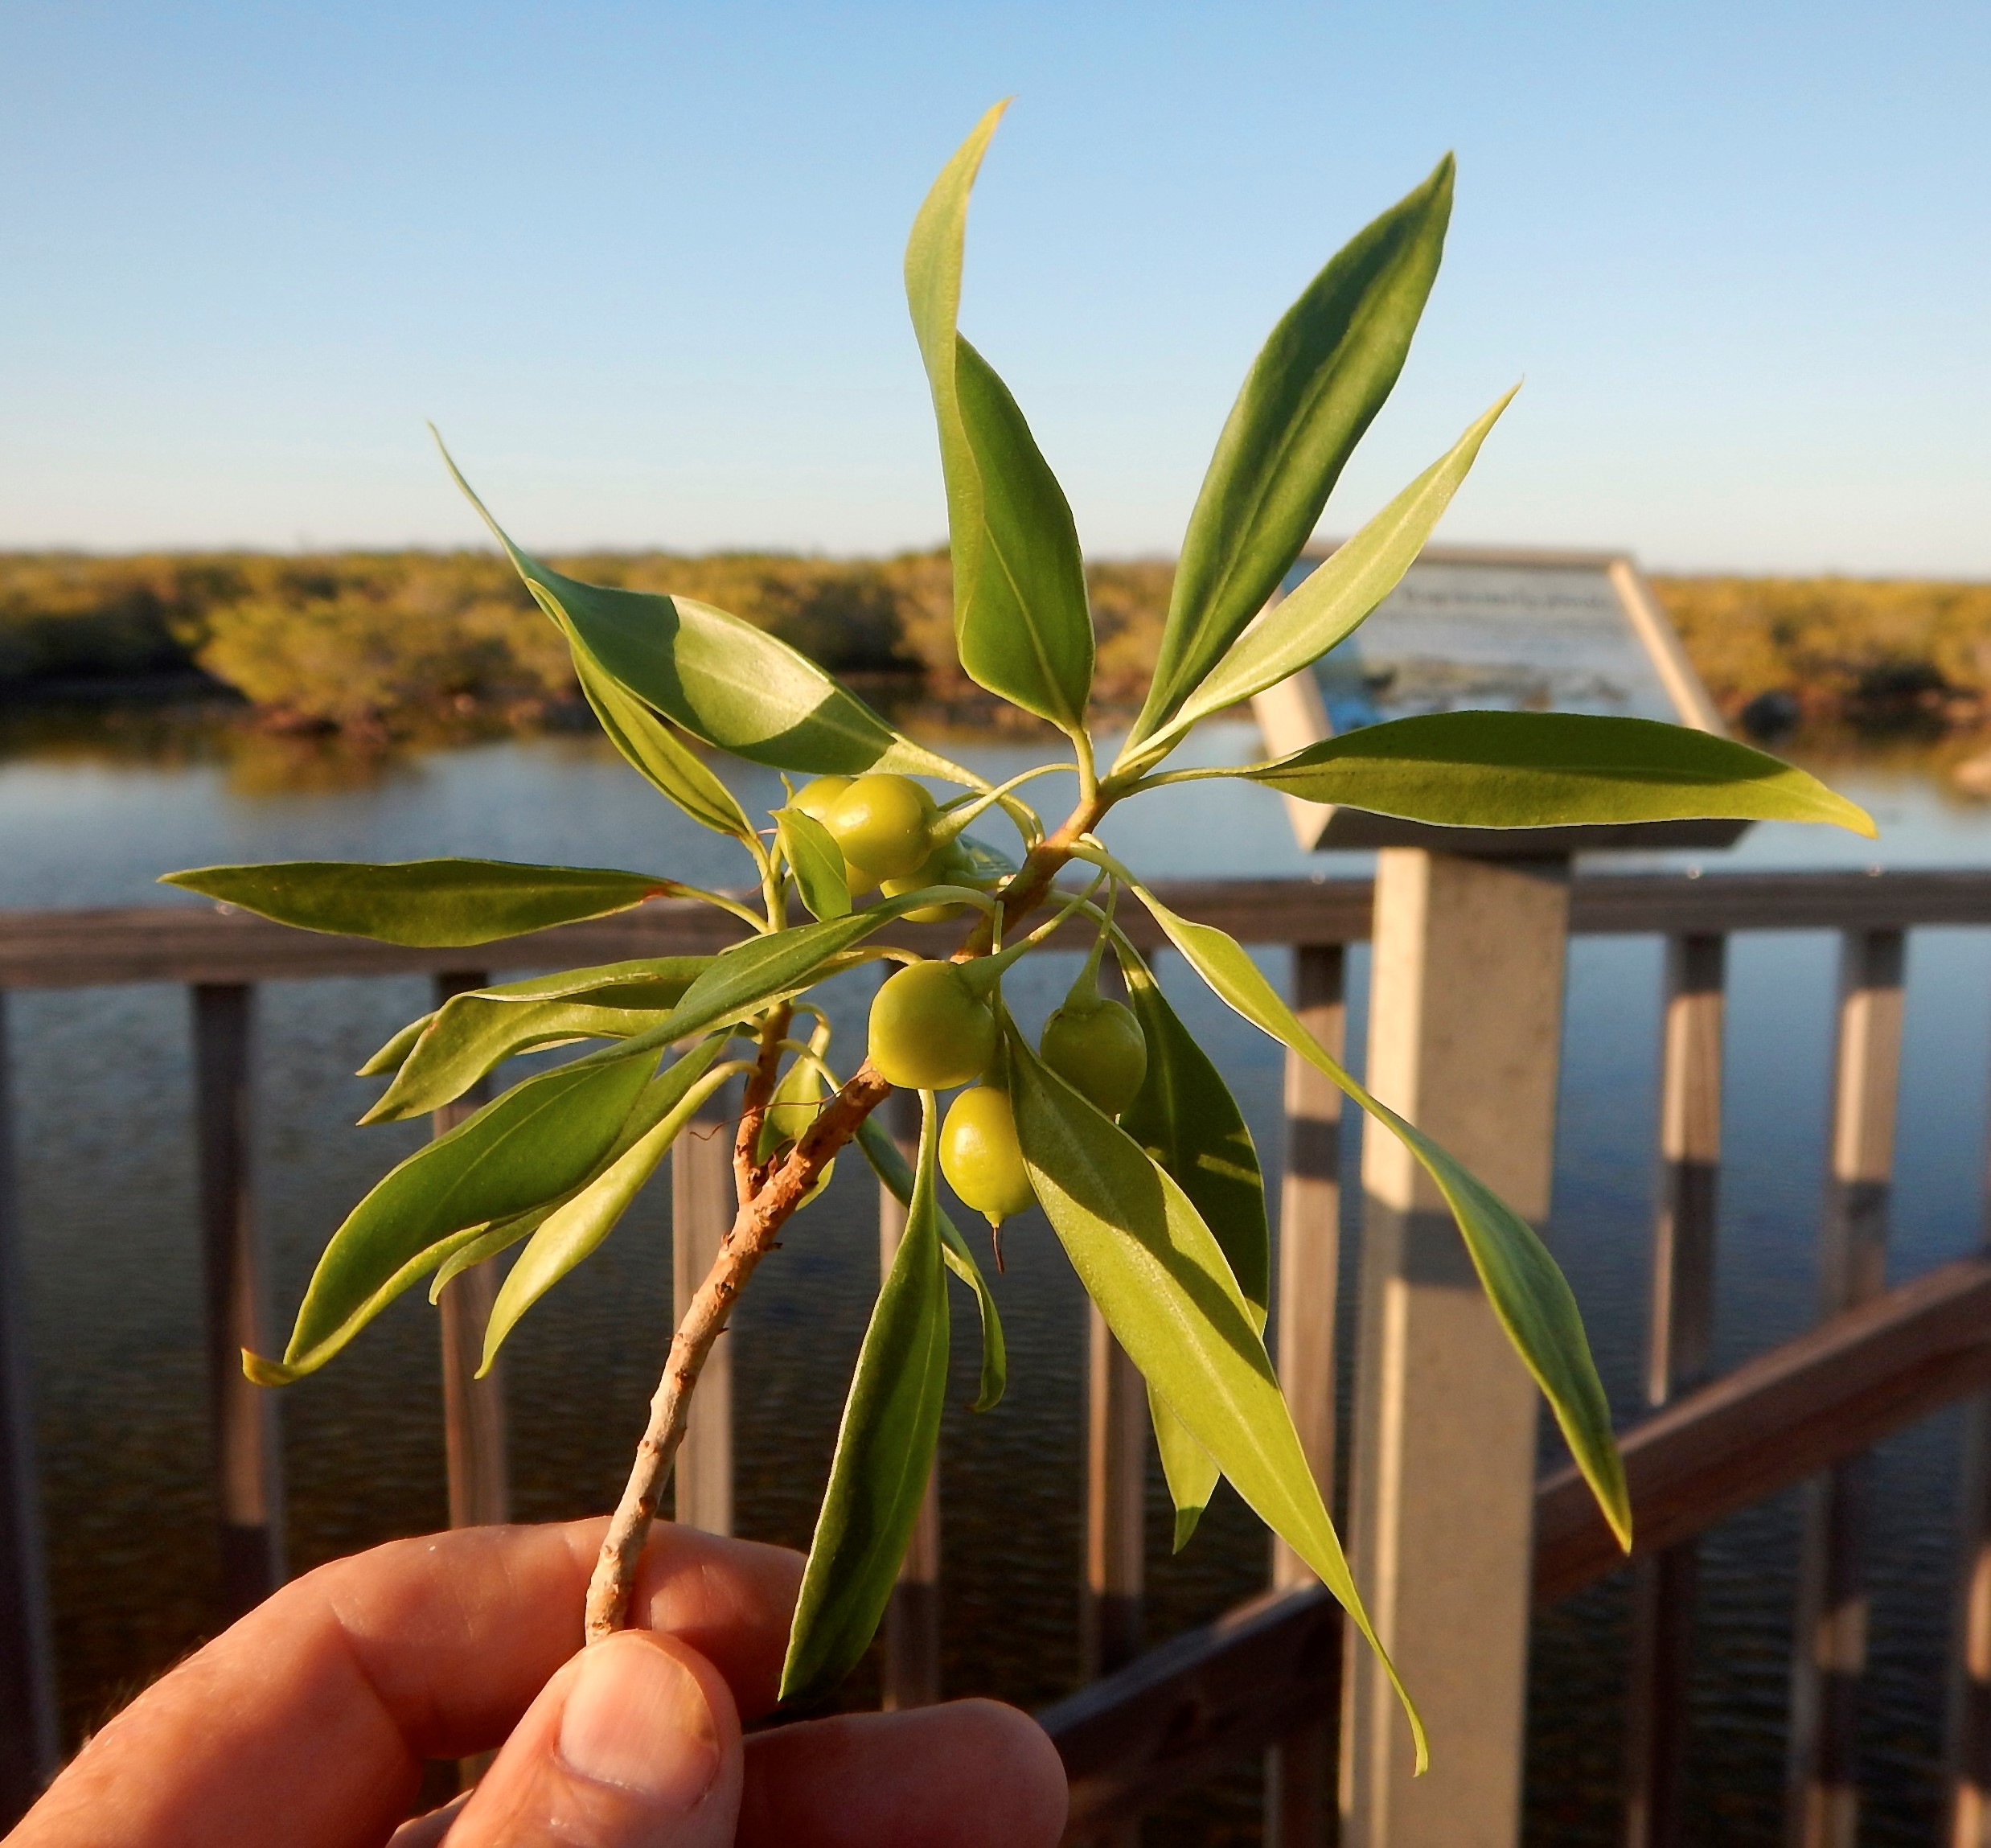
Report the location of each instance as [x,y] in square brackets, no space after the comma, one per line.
[378,649]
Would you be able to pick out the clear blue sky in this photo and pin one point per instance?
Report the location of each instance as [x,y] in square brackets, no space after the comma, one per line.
[641,264]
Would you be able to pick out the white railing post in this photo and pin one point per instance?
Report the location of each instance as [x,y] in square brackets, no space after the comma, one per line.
[702,1205]
[1465,1025]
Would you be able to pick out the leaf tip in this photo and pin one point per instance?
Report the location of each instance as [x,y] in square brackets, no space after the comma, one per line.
[263,1373]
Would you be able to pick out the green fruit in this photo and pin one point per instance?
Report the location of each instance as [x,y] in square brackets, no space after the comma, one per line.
[1097,1047]
[948,867]
[816,799]
[929,1031]
[981,1157]
[882,823]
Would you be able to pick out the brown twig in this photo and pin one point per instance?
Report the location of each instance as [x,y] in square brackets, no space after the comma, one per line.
[747,1171]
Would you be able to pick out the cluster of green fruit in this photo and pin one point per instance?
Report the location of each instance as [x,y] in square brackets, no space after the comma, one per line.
[892,835]
[932,1030]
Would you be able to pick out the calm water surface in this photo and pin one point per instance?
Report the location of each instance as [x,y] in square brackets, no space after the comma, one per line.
[102,1080]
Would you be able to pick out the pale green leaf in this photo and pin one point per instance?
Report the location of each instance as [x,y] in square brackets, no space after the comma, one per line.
[648,742]
[1552,769]
[885,1453]
[1166,1290]
[425,904]
[1528,1293]
[816,861]
[1311,392]
[1186,1467]
[1021,624]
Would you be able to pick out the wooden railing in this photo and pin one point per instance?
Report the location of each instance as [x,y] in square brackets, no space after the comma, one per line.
[1268,1676]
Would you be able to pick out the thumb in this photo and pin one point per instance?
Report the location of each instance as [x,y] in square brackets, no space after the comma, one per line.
[635,1743]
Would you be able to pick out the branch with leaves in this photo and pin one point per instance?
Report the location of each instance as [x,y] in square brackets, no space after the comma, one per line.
[1117,1124]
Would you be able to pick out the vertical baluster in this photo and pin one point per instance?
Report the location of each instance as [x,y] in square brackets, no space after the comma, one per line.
[1465,1030]
[912,1623]
[1679,1336]
[1299,1786]
[702,1205]
[1829,1651]
[27,1679]
[473,1409]
[248,1453]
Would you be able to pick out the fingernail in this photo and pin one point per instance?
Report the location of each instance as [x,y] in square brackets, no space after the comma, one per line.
[637,1718]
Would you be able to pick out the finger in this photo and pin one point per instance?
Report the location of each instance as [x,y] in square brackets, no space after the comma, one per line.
[971,1774]
[635,1743]
[306,1723]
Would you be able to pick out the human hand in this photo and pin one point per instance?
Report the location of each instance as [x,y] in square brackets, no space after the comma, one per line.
[306,1725]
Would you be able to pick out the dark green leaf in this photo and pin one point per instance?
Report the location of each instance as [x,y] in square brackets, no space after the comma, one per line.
[1021,624]
[1186,1467]
[1311,392]
[1552,769]
[426,904]
[472,1033]
[816,861]
[1332,600]
[885,1453]
[521,1149]
[1166,1290]
[575,1228]
[890,1166]
[1527,1292]
[647,741]
[1185,1118]
[722,679]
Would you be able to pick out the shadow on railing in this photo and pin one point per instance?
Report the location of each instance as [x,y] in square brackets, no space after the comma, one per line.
[1268,1676]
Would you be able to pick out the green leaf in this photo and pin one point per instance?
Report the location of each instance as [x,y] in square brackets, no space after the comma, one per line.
[1311,392]
[1186,1118]
[472,1033]
[426,904]
[885,1452]
[1332,600]
[392,1056]
[648,742]
[1186,1467]
[1020,620]
[520,1150]
[816,861]
[1528,1293]
[984,862]
[1552,769]
[890,1166]
[572,1230]
[722,679]
[1166,1290]
[793,1104]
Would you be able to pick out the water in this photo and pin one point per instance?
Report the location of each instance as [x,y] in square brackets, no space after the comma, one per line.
[103,1083]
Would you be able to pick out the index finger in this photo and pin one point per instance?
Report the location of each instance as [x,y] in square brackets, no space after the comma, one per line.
[306,1724]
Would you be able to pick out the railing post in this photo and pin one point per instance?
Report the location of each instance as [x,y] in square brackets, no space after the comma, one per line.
[473,1409]
[1679,1332]
[912,1621]
[702,1205]
[1465,1022]
[27,1675]
[248,1465]
[1968,1767]
[1300,1781]
[1829,1651]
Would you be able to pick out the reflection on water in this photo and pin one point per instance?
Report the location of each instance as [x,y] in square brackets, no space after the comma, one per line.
[103,1083]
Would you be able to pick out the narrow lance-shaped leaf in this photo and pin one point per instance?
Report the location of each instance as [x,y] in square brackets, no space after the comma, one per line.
[523,1148]
[425,904]
[575,1230]
[1187,1468]
[1528,1293]
[1551,770]
[1021,624]
[1312,391]
[1332,600]
[470,1034]
[1166,1290]
[891,1167]
[646,742]
[722,679]
[816,861]
[885,1452]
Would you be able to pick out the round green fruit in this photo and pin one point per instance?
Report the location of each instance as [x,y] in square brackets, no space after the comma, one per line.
[1099,1050]
[947,867]
[929,1031]
[981,1157]
[882,823]
[815,799]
